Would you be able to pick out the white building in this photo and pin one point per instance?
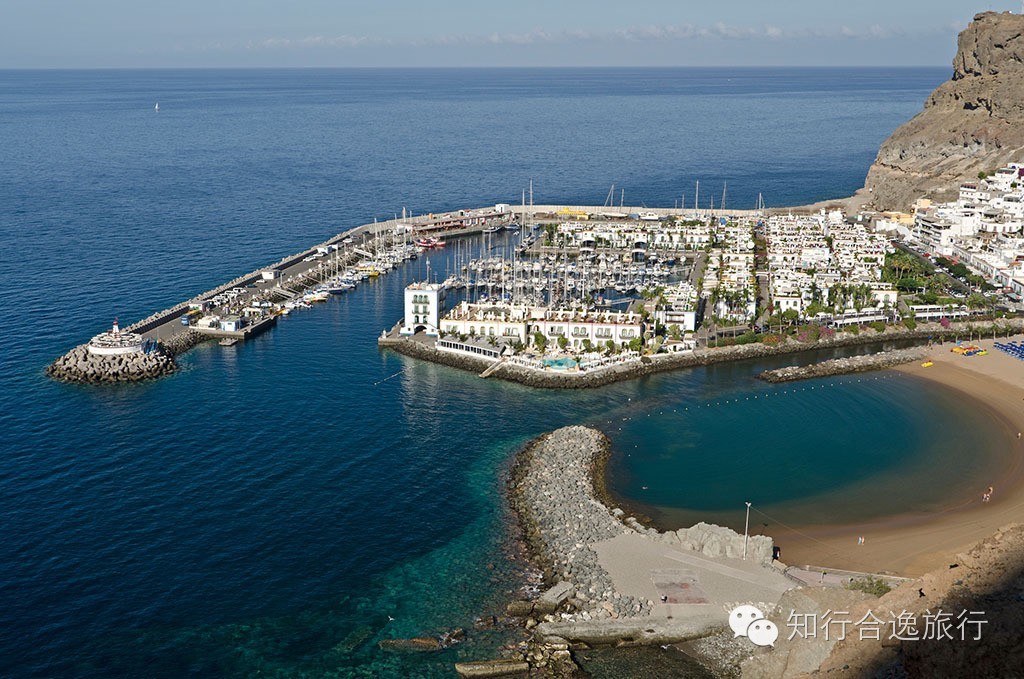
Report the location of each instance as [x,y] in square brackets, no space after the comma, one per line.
[422,308]
[511,323]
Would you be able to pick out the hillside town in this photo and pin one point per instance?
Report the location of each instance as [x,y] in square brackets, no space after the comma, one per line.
[589,287]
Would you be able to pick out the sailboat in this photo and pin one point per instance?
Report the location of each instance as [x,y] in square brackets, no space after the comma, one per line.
[157,107]
[609,201]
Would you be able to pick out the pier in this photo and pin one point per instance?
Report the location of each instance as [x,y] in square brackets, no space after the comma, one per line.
[259,296]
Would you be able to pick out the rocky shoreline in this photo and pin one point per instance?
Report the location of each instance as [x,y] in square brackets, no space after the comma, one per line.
[843,366]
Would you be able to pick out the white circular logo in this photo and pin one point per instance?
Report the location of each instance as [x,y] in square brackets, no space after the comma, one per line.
[763,632]
[741,617]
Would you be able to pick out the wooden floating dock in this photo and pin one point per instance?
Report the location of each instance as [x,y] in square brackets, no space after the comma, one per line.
[241,334]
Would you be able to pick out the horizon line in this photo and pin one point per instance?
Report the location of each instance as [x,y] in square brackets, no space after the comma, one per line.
[466,68]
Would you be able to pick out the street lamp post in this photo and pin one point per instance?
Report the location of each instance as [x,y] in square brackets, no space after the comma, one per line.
[746,532]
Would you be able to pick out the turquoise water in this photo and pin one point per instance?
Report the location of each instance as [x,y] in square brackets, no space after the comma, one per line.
[828,451]
[560,363]
[269,507]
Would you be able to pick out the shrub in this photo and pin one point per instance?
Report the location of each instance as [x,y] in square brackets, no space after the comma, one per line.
[910,323]
[944,322]
[746,338]
[853,329]
[773,340]
[878,326]
[870,585]
[808,334]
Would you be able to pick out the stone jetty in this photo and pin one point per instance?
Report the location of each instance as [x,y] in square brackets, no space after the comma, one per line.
[602,566]
[842,366]
[553,495]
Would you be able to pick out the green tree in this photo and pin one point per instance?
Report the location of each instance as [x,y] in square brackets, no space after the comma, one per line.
[977,301]
[563,342]
[540,341]
[813,309]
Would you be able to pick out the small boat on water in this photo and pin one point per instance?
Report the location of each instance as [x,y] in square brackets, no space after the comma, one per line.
[430,242]
[157,107]
[339,287]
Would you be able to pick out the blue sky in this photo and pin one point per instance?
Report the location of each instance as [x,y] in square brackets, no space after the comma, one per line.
[258,33]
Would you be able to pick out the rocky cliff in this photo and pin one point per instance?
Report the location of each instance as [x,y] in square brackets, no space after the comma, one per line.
[972,123]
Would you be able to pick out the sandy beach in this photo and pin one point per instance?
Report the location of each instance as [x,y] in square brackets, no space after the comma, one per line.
[913,544]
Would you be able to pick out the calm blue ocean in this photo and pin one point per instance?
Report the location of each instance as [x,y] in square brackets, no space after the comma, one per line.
[267,508]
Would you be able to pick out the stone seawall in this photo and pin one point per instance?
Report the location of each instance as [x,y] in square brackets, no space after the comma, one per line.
[649,365]
[842,366]
[416,349]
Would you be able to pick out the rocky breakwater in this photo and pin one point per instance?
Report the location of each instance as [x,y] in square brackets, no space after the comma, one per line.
[972,122]
[842,366]
[78,365]
[553,495]
[81,366]
[556,491]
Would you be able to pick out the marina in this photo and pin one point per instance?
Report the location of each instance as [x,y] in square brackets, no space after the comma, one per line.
[522,268]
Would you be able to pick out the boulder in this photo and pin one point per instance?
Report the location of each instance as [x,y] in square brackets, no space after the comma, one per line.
[416,644]
[492,668]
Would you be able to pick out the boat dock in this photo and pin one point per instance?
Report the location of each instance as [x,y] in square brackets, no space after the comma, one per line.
[249,304]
